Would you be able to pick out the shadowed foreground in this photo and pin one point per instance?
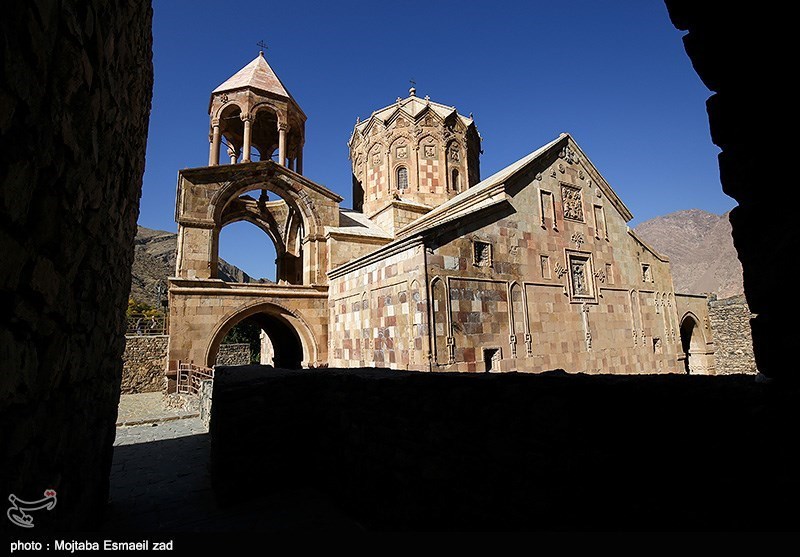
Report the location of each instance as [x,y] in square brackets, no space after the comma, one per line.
[511,451]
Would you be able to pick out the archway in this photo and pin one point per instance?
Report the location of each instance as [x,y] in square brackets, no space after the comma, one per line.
[291,342]
[692,342]
[245,246]
[279,215]
[293,220]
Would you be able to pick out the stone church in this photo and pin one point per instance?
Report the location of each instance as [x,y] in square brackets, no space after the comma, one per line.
[433,269]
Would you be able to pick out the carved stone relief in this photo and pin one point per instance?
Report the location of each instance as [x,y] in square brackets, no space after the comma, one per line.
[580,285]
[573,202]
[569,155]
[429,151]
[600,275]
[402,151]
[455,156]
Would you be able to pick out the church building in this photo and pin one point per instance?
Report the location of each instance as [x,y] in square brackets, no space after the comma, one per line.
[433,269]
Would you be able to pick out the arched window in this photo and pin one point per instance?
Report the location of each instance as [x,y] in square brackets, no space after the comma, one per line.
[402,178]
[454,181]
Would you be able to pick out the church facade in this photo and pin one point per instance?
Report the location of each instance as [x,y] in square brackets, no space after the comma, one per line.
[531,269]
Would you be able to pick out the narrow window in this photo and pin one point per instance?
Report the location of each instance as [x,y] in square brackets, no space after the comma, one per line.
[402,178]
[454,181]
[647,274]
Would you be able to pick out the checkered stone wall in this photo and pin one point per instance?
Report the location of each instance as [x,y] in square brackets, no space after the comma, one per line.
[378,314]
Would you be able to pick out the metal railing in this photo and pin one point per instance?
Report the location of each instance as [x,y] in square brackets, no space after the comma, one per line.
[143,325]
[190,377]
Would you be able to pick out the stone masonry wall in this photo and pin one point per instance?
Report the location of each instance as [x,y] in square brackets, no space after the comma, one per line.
[143,363]
[730,321]
[75,89]
[233,354]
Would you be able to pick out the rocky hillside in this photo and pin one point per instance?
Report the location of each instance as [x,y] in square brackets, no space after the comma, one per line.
[154,261]
[700,249]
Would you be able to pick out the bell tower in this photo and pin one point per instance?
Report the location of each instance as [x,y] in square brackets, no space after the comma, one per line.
[410,157]
[253,112]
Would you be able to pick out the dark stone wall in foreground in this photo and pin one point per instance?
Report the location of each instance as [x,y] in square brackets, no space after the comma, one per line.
[75,91]
[736,49]
[519,451]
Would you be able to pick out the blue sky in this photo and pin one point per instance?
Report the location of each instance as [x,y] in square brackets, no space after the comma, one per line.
[612,73]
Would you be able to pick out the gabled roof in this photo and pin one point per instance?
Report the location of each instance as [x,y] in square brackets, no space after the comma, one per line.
[414,107]
[257,74]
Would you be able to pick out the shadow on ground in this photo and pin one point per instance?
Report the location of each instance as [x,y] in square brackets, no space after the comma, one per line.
[164,486]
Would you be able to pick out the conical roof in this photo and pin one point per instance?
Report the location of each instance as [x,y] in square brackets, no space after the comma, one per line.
[257,74]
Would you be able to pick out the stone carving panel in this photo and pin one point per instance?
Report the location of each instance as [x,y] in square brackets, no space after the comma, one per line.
[455,156]
[581,275]
[572,199]
[569,155]
[402,151]
[429,151]
[580,284]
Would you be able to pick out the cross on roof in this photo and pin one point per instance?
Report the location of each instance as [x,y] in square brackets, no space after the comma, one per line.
[262,44]
[412,82]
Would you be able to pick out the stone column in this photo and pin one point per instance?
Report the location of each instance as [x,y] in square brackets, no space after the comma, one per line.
[282,128]
[248,133]
[299,161]
[213,157]
[233,153]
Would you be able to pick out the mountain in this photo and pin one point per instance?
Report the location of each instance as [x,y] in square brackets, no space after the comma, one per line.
[154,261]
[700,250]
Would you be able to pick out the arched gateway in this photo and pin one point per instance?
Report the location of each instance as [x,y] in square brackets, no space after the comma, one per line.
[292,339]
[698,359]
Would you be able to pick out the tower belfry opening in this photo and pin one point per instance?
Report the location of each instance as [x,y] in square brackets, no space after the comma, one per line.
[253,112]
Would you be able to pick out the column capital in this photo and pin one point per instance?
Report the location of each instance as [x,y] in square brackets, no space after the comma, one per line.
[214,122]
[283,127]
[246,117]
